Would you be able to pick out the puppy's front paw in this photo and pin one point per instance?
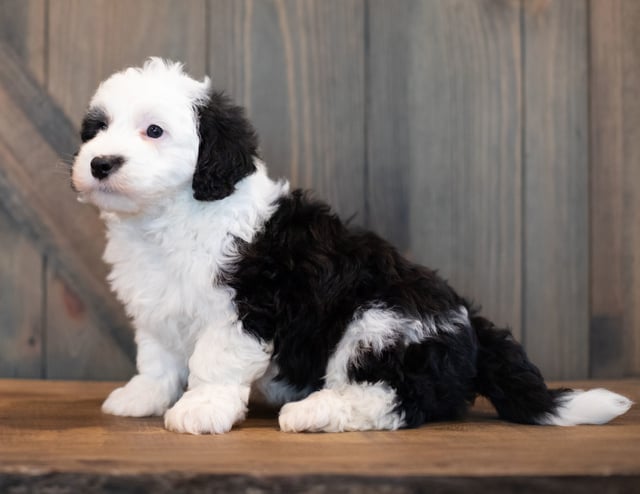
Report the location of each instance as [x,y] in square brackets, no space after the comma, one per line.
[142,396]
[205,410]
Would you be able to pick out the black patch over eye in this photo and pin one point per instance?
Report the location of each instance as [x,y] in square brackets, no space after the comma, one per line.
[154,131]
[94,121]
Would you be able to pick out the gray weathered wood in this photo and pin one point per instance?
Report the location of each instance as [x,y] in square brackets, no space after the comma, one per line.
[615,181]
[21,264]
[21,300]
[444,155]
[88,41]
[556,253]
[409,113]
[77,347]
[298,68]
[34,188]
[22,27]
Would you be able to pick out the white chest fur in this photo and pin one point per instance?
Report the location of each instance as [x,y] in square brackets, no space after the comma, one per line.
[165,263]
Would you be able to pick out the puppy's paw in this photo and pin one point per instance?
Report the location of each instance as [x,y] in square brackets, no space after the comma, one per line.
[142,396]
[205,410]
[320,411]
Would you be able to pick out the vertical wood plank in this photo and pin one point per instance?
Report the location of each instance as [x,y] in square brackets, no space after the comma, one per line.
[22,27]
[444,153]
[90,40]
[298,68]
[35,190]
[556,274]
[76,347]
[20,302]
[615,198]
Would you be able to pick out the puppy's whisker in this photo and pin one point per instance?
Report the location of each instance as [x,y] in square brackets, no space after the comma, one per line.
[62,164]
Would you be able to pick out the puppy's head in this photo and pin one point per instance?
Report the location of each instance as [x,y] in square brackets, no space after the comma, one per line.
[153,131]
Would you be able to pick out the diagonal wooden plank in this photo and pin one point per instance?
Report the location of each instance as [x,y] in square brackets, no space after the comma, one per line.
[38,107]
[76,348]
[34,189]
[21,300]
[22,295]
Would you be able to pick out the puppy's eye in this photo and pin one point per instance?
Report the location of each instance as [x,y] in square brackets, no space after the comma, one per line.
[154,131]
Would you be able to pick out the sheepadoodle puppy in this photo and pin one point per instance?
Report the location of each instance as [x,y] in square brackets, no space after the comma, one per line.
[237,286]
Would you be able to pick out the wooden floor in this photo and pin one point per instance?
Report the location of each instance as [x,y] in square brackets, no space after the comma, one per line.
[53,437]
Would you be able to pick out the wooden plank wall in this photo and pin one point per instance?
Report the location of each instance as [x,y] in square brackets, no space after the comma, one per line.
[496,140]
[614,189]
[444,146]
[21,263]
[555,186]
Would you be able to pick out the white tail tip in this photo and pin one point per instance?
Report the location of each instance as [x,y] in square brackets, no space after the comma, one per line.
[597,406]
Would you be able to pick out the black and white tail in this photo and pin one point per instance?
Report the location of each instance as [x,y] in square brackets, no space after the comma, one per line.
[517,390]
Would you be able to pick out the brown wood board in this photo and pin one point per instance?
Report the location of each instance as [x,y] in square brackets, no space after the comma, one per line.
[55,426]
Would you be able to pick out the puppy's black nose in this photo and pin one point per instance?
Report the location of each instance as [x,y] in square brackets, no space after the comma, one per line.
[103,166]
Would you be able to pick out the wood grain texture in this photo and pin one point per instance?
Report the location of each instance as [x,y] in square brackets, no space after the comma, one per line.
[556,203]
[54,432]
[22,28]
[21,300]
[78,347]
[410,114]
[88,41]
[34,188]
[298,68]
[615,199]
[444,155]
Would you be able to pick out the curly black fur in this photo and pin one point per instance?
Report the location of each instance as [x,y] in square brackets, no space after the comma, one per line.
[94,121]
[306,276]
[228,145]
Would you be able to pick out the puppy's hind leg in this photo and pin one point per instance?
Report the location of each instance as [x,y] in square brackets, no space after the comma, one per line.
[155,388]
[389,372]
[345,403]
[352,407]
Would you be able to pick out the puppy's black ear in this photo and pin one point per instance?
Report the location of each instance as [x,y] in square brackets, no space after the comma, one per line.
[228,145]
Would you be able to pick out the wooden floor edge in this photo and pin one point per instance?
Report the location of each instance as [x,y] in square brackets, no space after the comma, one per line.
[87,482]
